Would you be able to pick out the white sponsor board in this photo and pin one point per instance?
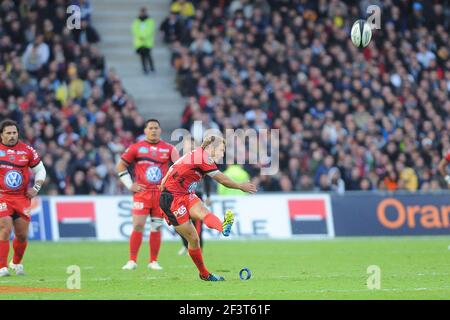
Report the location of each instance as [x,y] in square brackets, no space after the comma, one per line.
[257,217]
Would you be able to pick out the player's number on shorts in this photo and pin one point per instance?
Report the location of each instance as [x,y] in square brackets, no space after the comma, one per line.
[138,205]
[3,206]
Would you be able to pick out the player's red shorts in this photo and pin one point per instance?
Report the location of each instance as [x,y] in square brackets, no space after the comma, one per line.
[15,206]
[147,202]
[176,207]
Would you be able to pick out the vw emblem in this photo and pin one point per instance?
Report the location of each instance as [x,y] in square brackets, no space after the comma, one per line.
[13,179]
[153,174]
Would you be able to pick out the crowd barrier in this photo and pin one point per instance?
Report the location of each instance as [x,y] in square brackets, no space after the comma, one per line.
[262,216]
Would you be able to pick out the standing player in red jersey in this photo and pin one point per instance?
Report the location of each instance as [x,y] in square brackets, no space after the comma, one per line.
[179,202]
[151,158]
[16,158]
[443,168]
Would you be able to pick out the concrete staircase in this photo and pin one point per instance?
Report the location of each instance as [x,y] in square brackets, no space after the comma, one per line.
[155,94]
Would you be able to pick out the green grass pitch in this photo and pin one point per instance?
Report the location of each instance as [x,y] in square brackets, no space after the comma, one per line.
[411,268]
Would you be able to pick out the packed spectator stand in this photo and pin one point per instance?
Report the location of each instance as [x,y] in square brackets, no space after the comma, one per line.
[53,82]
[349,119]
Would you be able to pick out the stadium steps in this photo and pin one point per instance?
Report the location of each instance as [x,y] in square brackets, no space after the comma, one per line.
[155,94]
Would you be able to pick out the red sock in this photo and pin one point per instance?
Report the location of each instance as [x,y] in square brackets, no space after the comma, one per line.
[135,244]
[4,251]
[19,249]
[212,222]
[155,244]
[196,255]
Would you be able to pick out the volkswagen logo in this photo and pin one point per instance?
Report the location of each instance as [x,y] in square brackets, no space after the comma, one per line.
[13,179]
[153,174]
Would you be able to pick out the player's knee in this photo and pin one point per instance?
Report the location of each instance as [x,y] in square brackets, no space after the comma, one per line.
[194,242]
[156,224]
[21,237]
[137,227]
[5,233]
[193,239]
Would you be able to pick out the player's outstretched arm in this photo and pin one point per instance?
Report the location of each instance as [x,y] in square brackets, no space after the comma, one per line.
[229,183]
[125,177]
[443,170]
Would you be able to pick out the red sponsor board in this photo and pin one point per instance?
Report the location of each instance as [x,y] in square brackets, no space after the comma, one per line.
[76,219]
[309,216]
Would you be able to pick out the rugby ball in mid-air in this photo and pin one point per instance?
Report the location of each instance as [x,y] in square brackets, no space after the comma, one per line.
[361,33]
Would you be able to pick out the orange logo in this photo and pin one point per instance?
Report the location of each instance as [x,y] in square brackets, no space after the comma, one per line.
[427,216]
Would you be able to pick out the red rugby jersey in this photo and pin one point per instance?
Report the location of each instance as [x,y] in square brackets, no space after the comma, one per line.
[15,164]
[151,161]
[447,157]
[185,173]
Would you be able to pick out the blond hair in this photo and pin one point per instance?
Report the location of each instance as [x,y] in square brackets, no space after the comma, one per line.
[212,140]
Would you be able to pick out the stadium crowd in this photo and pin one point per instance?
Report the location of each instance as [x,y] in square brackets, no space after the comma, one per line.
[349,119]
[54,84]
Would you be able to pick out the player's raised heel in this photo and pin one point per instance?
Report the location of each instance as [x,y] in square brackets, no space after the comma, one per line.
[212,277]
[228,221]
[131,265]
[4,272]
[18,268]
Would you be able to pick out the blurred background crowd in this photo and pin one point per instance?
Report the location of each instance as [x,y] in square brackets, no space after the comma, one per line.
[350,119]
[53,82]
